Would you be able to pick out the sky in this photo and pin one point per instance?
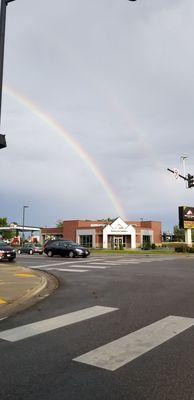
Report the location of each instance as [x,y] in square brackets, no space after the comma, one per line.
[98,101]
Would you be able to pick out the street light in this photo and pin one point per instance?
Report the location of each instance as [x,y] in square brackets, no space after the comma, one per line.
[3,6]
[23,220]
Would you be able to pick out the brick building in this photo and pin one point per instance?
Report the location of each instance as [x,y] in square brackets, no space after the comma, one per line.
[107,234]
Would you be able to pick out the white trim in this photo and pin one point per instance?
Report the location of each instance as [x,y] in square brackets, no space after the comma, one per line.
[86,232]
[147,232]
[119,228]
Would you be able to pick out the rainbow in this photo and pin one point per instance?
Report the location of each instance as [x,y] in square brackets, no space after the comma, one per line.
[80,151]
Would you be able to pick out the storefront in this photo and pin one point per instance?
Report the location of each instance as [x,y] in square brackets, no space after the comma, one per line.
[119,235]
[116,234]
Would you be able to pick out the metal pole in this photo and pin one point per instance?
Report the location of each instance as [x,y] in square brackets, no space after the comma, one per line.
[184,158]
[2,41]
[23,224]
[3,5]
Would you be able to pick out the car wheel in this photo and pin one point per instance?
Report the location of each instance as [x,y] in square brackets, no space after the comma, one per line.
[11,259]
[31,252]
[71,254]
[40,252]
[19,251]
[50,253]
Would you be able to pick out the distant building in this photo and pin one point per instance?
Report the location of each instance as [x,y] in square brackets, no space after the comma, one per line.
[108,234]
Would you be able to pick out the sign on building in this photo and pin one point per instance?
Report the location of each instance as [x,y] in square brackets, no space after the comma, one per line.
[186,217]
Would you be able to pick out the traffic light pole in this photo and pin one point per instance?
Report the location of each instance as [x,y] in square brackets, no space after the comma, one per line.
[181,176]
[189,178]
[3,6]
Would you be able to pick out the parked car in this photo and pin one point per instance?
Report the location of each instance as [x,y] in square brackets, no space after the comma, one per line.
[65,248]
[31,248]
[7,252]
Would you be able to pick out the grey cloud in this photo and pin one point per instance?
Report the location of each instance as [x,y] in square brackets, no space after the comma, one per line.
[118,77]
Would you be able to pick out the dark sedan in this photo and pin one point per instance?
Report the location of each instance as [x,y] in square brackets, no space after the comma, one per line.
[31,248]
[65,248]
[7,253]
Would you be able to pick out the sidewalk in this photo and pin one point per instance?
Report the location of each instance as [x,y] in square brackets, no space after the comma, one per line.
[22,287]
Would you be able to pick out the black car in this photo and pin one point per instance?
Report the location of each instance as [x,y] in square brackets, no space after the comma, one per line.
[65,248]
[7,253]
[31,248]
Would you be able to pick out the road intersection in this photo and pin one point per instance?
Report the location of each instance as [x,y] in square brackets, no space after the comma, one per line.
[122,331]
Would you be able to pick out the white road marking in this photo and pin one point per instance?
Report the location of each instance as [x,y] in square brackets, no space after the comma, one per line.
[48,265]
[121,351]
[106,263]
[67,269]
[36,328]
[89,266]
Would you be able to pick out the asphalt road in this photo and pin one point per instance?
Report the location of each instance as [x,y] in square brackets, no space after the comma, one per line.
[144,304]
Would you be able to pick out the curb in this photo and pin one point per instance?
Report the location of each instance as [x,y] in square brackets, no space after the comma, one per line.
[48,284]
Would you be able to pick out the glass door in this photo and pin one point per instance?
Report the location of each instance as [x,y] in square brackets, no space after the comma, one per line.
[118,242]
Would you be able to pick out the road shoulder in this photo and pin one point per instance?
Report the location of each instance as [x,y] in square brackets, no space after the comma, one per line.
[22,287]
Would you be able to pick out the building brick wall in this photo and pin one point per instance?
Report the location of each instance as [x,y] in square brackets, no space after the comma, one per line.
[70,227]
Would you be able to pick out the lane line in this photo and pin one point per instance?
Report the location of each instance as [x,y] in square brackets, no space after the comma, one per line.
[49,265]
[122,351]
[67,269]
[36,328]
[89,266]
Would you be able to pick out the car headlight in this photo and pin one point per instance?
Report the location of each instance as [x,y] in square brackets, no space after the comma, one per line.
[79,251]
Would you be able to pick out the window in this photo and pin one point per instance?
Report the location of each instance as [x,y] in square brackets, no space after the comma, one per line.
[146,239]
[86,240]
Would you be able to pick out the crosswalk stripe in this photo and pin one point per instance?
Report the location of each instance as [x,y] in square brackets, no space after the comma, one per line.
[121,351]
[90,266]
[49,265]
[46,325]
[106,263]
[67,269]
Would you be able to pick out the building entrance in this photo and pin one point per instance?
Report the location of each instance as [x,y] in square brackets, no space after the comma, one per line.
[118,242]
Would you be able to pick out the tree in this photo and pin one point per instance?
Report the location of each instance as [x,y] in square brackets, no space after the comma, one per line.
[3,222]
[6,234]
[179,234]
[59,223]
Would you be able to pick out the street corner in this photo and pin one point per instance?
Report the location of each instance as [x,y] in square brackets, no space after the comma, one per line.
[22,287]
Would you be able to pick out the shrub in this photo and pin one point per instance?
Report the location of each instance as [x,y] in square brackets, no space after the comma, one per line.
[181,248]
[146,246]
[191,249]
[153,246]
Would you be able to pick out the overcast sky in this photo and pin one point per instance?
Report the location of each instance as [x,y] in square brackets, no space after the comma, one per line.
[98,101]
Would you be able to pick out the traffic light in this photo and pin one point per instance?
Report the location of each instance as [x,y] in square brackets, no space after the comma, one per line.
[2,141]
[190,180]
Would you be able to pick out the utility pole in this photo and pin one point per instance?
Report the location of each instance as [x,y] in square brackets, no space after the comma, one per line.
[190,183]
[184,158]
[3,6]
[23,222]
